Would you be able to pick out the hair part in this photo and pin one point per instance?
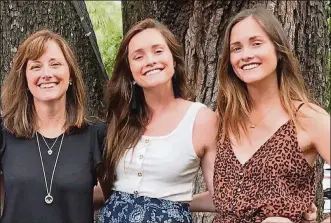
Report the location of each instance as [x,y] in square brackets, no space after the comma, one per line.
[18,111]
[233,101]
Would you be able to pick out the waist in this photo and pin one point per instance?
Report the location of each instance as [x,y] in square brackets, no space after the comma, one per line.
[175,192]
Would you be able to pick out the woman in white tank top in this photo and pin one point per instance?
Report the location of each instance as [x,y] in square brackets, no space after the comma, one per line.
[156,139]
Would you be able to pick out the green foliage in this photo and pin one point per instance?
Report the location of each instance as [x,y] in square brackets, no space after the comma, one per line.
[106,17]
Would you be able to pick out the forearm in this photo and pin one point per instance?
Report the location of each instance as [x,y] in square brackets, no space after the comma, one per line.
[98,198]
[202,202]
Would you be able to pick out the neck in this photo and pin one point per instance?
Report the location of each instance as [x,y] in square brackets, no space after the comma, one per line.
[264,95]
[159,98]
[51,118]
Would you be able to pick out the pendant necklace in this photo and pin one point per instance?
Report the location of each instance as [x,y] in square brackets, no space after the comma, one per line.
[50,149]
[253,126]
[49,197]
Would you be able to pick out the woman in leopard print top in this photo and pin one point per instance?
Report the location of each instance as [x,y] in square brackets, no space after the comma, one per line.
[270,131]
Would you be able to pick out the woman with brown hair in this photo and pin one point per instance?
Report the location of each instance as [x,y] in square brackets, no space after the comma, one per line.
[156,138]
[49,152]
[270,132]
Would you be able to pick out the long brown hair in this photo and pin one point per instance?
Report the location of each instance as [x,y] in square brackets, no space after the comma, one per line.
[125,127]
[18,112]
[233,101]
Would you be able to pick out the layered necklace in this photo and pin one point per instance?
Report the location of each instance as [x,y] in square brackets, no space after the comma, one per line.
[49,197]
[50,149]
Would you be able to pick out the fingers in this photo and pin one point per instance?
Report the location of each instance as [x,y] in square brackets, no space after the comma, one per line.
[312,208]
[311,214]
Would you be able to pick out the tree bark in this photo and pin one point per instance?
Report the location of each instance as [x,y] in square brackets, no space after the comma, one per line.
[200,26]
[68,18]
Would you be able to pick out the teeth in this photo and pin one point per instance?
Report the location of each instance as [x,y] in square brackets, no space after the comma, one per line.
[47,85]
[250,66]
[153,72]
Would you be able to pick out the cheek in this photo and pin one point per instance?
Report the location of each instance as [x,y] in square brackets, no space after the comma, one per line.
[233,60]
[234,63]
[31,81]
[135,68]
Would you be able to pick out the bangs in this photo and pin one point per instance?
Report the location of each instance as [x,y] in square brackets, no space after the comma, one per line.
[36,48]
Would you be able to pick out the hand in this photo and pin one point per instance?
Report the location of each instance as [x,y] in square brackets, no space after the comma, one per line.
[311,215]
[277,220]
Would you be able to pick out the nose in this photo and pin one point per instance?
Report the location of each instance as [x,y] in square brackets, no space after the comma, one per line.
[150,59]
[247,54]
[46,72]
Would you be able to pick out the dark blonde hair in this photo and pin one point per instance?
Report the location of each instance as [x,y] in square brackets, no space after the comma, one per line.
[125,127]
[233,101]
[18,112]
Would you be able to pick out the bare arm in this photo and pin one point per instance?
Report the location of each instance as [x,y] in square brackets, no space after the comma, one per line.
[98,198]
[316,122]
[204,140]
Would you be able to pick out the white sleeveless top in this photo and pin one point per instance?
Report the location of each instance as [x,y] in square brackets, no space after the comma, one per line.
[162,166]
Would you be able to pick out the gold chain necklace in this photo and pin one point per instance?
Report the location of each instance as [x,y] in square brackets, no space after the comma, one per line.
[253,126]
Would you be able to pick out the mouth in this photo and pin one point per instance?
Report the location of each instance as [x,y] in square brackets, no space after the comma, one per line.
[48,85]
[152,72]
[250,66]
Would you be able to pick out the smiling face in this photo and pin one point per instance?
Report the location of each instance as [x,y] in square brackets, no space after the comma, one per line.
[48,76]
[151,61]
[252,54]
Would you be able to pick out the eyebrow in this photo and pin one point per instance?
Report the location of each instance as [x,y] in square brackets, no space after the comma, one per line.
[251,38]
[37,61]
[153,47]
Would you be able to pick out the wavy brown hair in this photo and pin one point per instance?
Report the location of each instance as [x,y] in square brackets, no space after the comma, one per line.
[18,111]
[125,126]
[233,101]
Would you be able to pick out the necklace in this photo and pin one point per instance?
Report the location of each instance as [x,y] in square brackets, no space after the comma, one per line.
[48,197]
[50,150]
[253,126]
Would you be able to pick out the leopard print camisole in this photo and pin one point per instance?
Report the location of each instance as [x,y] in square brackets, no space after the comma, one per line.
[275,181]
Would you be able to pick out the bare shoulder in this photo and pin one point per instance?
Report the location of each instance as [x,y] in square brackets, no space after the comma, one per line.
[206,118]
[205,131]
[312,113]
[206,125]
[315,121]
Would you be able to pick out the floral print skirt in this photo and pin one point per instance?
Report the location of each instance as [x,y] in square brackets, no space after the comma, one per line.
[129,208]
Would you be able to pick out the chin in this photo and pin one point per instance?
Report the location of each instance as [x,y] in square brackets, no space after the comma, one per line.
[49,99]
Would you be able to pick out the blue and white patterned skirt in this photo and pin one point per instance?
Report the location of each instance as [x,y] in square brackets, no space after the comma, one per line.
[129,208]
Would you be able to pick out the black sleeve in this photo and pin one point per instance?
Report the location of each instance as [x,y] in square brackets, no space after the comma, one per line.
[97,147]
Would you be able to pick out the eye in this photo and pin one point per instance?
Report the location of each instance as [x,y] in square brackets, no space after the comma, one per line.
[138,57]
[257,43]
[158,51]
[35,67]
[55,64]
[235,49]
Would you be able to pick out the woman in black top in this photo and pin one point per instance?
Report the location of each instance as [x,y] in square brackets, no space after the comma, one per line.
[48,151]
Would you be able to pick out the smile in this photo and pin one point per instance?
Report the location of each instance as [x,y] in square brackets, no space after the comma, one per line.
[154,71]
[47,85]
[250,66]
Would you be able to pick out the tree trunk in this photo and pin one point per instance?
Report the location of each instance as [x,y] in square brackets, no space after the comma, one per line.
[200,26]
[68,18]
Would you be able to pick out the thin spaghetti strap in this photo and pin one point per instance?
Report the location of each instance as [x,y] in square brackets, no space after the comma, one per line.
[299,107]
